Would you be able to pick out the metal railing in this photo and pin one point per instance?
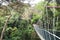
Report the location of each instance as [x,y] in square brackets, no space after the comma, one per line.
[44,34]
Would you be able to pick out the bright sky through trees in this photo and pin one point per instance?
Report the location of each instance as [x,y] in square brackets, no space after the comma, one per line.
[33,2]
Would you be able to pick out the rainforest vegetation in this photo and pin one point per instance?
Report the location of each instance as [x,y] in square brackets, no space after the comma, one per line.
[17,19]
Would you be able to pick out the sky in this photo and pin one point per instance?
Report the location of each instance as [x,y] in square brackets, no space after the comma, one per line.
[33,2]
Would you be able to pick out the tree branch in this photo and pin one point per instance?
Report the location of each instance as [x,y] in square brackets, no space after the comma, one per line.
[5,26]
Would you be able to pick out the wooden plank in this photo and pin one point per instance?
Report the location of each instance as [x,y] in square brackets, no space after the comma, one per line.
[53,6]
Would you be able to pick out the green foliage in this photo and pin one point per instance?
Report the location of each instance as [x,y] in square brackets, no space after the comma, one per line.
[17,28]
[35,18]
[48,14]
[41,6]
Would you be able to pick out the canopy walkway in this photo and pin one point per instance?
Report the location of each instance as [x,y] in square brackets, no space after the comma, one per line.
[48,26]
[44,34]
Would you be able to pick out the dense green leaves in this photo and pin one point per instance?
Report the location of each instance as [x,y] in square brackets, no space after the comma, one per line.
[17,28]
[49,14]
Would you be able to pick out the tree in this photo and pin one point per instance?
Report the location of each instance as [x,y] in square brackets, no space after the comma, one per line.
[16,28]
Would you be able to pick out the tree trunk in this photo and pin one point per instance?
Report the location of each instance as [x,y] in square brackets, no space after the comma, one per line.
[5,26]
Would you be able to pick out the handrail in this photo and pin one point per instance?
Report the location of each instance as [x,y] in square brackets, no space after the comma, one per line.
[36,26]
[41,37]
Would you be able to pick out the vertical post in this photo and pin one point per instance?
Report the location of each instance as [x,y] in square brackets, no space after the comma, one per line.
[48,22]
[57,22]
[54,19]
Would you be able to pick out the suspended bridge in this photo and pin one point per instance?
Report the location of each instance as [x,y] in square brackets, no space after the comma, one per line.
[47,29]
[44,34]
